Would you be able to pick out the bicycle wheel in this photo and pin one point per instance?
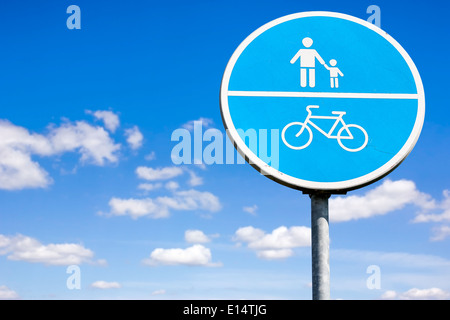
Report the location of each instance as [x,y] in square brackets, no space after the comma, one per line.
[354,132]
[296,133]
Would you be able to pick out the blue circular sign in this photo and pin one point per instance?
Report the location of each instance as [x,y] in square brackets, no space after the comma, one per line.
[343,99]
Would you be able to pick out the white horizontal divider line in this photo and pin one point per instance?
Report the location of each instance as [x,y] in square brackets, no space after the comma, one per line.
[294,94]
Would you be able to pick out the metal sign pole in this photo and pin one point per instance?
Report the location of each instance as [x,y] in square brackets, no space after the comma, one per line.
[320,246]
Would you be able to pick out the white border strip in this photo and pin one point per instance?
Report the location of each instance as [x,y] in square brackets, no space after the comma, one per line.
[323,95]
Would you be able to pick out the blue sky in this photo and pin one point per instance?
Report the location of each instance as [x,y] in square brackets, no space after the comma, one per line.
[87,179]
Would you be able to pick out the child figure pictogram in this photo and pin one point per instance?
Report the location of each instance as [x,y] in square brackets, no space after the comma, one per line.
[334,73]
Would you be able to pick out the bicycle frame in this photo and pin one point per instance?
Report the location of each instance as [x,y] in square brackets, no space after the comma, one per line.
[328,134]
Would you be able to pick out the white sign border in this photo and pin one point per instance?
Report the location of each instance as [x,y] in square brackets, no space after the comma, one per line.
[305,185]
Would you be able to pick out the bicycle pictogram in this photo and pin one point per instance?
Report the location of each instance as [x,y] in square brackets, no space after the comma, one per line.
[343,134]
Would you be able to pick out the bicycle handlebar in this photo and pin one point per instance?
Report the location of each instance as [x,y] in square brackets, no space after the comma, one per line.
[311,107]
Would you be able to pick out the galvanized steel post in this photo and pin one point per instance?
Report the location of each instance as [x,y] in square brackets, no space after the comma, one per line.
[320,246]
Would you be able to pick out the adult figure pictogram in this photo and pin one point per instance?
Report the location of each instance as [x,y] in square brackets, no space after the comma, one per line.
[307,63]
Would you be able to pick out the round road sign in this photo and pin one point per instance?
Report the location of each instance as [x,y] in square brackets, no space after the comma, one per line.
[344,100]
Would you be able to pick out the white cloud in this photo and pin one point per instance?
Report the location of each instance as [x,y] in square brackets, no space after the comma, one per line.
[194,179]
[19,138]
[109,118]
[391,196]
[196,236]
[192,200]
[17,147]
[388,197]
[105,285]
[17,169]
[274,254]
[23,248]
[152,174]
[389,295]
[417,294]
[94,143]
[197,255]
[166,173]
[248,234]
[251,209]
[134,137]
[158,292]
[137,208]
[443,216]
[201,166]
[283,237]
[149,186]
[160,207]
[151,156]
[7,294]
[440,233]
[172,185]
[204,122]
[277,244]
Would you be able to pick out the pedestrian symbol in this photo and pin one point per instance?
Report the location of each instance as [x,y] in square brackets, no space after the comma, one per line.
[308,58]
[321,78]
